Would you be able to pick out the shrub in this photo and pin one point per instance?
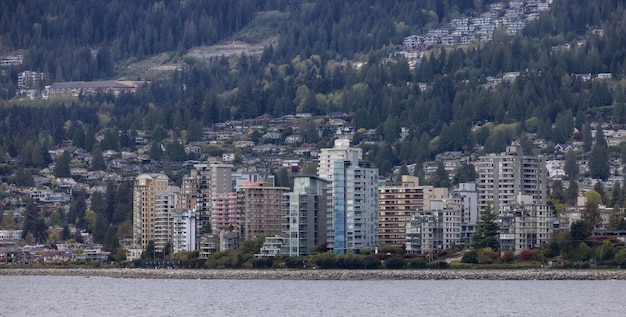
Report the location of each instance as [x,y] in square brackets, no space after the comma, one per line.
[527,255]
[416,263]
[507,257]
[394,262]
[437,265]
[486,256]
[470,257]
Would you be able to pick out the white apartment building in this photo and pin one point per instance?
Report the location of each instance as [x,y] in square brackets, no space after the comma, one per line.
[436,229]
[524,227]
[341,152]
[164,211]
[502,177]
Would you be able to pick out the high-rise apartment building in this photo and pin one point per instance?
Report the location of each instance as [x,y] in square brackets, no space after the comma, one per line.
[307,214]
[505,176]
[262,209]
[524,227]
[211,179]
[467,194]
[184,231]
[436,229]
[397,202]
[341,152]
[145,191]
[165,208]
[225,213]
[354,216]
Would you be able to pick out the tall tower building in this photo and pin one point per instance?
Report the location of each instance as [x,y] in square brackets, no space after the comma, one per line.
[341,152]
[145,191]
[354,217]
[467,195]
[398,202]
[307,214]
[262,209]
[164,211]
[212,178]
[505,176]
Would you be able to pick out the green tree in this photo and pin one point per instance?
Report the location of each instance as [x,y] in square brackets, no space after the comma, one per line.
[571,167]
[579,231]
[465,173]
[591,216]
[98,202]
[487,231]
[599,158]
[282,177]
[62,166]
[593,197]
[194,131]
[620,257]
[78,208]
[617,197]
[155,151]
[97,160]
[598,187]
[23,178]
[587,138]
[617,219]
[557,191]
[571,194]
[8,220]
[34,224]
[149,252]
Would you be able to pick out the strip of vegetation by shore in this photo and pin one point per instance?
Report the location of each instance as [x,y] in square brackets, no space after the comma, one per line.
[328,274]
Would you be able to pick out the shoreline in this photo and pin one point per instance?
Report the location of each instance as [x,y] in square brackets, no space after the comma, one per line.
[587,274]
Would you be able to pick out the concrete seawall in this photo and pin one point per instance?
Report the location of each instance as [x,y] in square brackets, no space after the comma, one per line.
[330,274]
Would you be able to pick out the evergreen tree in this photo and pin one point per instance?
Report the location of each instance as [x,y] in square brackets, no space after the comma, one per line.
[571,167]
[617,197]
[34,224]
[155,151]
[97,160]
[23,178]
[591,216]
[440,178]
[599,158]
[78,207]
[587,138]
[62,166]
[617,219]
[487,231]
[557,191]
[571,195]
[282,177]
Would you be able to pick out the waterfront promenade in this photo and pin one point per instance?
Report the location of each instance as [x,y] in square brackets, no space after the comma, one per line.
[587,274]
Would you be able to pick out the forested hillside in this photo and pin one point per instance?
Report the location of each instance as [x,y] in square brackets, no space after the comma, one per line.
[311,70]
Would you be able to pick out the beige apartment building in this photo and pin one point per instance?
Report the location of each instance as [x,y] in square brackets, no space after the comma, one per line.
[398,202]
[145,191]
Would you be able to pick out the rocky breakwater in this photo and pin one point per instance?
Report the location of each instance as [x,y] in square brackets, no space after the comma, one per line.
[330,274]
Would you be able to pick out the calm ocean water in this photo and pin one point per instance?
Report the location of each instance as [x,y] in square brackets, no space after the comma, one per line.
[99,296]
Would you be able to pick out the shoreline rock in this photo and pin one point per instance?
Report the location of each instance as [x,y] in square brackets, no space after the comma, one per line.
[327,274]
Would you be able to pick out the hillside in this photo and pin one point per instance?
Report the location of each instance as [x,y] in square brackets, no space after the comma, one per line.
[324,57]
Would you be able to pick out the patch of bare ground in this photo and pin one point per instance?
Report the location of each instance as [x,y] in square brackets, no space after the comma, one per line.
[231,48]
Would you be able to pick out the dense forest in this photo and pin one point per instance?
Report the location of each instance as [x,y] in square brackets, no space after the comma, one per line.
[311,70]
